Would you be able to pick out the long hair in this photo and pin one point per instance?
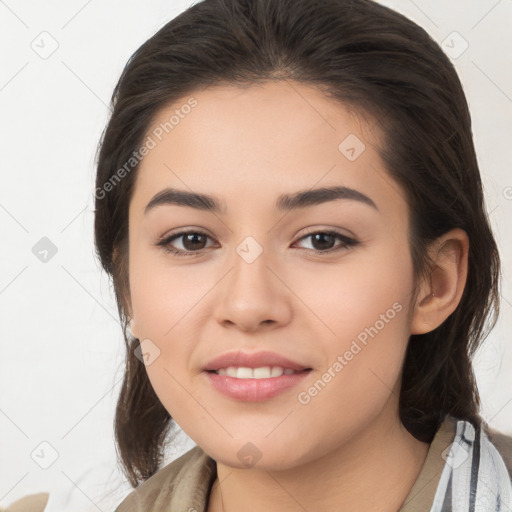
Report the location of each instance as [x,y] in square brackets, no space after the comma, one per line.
[365,56]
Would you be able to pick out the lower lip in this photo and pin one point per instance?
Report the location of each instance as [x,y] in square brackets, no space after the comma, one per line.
[254,390]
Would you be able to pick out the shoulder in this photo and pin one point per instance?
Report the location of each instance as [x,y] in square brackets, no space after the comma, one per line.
[30,503]
[503,443]
[183,484]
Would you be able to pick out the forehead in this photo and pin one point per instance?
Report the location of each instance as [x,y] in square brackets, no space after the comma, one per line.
[274,137]
[263,116]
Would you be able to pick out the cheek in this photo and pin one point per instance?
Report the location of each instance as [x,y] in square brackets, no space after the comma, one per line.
[164,298]
[364,331]
[170,307]
[367,295]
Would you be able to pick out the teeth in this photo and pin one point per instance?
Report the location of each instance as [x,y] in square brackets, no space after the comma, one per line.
[264,372]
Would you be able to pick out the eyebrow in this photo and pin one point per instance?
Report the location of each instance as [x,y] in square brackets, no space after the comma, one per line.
[285,202]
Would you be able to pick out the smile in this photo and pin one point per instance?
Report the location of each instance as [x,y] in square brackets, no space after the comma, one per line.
[254,384]
[263,372]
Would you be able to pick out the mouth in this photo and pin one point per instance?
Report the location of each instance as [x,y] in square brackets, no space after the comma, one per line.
[262,372]
[250,365]
[254,376]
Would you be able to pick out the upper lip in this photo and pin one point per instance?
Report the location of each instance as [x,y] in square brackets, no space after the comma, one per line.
[252,360]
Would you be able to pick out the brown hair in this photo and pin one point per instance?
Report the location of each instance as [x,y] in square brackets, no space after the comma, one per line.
[366,56]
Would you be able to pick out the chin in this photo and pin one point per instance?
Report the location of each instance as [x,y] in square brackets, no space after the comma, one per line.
[252,456]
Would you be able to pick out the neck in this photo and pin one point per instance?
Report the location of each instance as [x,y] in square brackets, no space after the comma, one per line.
[373,471]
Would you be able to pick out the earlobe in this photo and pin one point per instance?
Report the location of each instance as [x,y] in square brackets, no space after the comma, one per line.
[132,327]
[439,297]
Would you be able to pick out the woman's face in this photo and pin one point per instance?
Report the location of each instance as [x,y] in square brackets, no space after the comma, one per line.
[266,277]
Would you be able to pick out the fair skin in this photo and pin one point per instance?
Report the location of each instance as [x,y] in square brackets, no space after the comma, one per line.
[345,449]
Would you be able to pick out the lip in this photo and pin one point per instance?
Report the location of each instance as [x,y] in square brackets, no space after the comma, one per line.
[254,390]
[253,360]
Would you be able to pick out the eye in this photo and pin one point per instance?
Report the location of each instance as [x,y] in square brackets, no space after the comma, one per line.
[193,242]
[322,241]
[192,239]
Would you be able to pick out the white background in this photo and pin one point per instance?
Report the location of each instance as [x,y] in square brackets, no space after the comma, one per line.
[61,343]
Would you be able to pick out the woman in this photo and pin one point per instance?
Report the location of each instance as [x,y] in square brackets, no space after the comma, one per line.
[289,203]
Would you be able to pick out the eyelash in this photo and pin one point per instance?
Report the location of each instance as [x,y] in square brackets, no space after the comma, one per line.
[165,242]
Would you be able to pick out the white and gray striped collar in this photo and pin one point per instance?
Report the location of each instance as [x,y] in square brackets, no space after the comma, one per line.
[474,477]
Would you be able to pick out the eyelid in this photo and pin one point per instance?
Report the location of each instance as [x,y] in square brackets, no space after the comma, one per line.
[183,231]
[166,239]
[347,241]
[302,233]
[315,228]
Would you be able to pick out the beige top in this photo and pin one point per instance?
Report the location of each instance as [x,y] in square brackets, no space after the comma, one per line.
[184,485]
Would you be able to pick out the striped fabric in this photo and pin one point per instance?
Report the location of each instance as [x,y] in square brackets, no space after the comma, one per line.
[474,478]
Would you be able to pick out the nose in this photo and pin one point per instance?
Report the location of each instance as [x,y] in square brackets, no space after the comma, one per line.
[254,294]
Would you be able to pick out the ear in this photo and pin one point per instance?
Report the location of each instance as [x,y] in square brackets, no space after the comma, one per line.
[133,328]
[438,298]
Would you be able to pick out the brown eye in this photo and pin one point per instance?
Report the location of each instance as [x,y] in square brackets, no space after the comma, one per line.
[322,241]
[192,242]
